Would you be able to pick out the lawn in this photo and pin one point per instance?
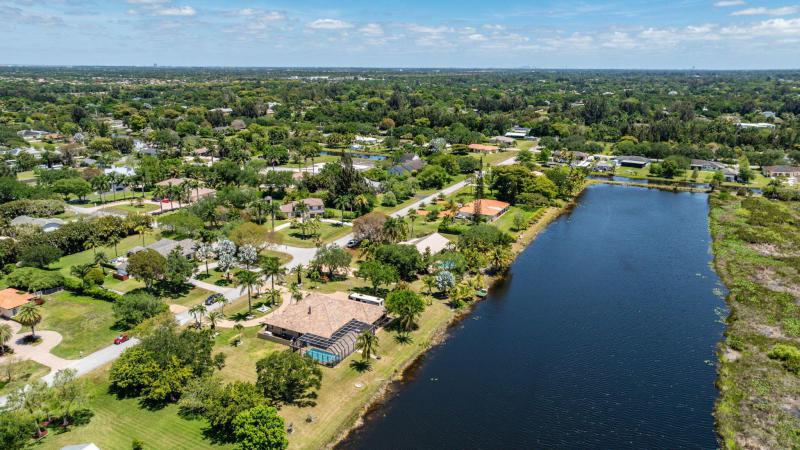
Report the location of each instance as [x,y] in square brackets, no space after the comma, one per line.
[26,175]
[85,324]
[327,232]
[494,158]
[116,423]
[506,221]
[341,399]
[134,208]
[24,372]
[87,256]
[240,362]
[194,297]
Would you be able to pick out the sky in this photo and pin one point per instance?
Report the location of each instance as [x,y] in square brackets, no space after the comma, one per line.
[617,34]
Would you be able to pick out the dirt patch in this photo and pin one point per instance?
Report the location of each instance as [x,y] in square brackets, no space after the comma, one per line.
[732,355]
[773,251]
[771,332]
[775,282]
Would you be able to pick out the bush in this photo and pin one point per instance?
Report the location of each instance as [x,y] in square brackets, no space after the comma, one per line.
[35,208]
[32,279]
[133,308]
[97,292]
[41,255]
[789,355]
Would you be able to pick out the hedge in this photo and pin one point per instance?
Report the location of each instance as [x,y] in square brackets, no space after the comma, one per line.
[35,208]
[78,287]
[32,279]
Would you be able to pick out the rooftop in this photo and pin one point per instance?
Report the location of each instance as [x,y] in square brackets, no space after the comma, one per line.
[11,298]
[322,315]
[488,207]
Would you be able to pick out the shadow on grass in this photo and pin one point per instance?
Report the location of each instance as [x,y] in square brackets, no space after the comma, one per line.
[360,365]
[403,338]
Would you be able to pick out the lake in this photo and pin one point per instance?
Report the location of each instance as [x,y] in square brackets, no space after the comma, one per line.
[602,336]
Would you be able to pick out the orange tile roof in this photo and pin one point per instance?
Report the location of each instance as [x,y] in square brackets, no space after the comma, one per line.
[11,298]
[422,212]
[488,207]
[483,148]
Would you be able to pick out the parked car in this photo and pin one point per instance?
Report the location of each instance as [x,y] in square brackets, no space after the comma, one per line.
[121,338]
[213,298]
[353,243]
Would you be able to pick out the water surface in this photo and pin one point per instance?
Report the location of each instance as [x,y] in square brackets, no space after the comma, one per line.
[603,336]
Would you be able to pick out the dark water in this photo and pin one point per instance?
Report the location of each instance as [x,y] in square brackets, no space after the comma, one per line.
[603,336]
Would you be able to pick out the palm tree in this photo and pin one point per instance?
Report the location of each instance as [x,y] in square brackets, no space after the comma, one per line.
[500,258]
[101,260]
[100,184]
[114,239]
[412,217]
[80,270]
[394,229]
[142,229]
[272,268]
[361,202]
[273,295]
[272,209]
[248,280]
[222,301]
[342,203]
[367,342]
[294,288]
[29,316]
[213,317]
[430,282]
[5,336]
[160,192]
[92,243]
[298,270]
[198,311]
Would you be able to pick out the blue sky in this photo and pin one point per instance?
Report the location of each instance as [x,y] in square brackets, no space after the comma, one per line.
[676,34]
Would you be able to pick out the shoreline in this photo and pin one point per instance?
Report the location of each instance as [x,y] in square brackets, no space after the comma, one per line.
[441,331]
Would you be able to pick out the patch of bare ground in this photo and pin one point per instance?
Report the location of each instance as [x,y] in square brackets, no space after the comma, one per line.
[775,281]
[773,251]
[732,355]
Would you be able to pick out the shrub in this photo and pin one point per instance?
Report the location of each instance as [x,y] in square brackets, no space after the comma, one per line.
[41,255]
[789,355]
[35,208]
[97,292]
[133,308]
[32,279]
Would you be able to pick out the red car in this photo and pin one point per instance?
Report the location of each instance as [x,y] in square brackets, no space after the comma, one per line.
[121,338]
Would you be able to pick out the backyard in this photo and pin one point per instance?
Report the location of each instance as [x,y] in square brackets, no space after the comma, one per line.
[85,324]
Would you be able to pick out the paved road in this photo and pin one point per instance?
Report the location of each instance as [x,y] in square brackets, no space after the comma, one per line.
[299,256]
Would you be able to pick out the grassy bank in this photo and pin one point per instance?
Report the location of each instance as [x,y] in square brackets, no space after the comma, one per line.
[756,244]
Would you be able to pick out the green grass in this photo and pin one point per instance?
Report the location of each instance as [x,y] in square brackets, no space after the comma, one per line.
[240,362]
[24,372]
[506,221]
[126,209]
[118,422]
[26,175]
[87,256]
[327,232]
[194,297]
[84,323]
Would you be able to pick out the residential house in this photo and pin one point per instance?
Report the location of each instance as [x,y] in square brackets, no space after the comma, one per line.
[32,134]
[490,210]
[701,164]
[503,141]
[408,166]
[518,132]
[323,327]
[730,174]
[744,125]
[195,194]
[781,171]
[633,161]
[481,148]
[314,207]
[11,300]
[366,140]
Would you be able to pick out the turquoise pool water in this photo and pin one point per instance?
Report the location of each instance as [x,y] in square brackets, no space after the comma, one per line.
[321,356]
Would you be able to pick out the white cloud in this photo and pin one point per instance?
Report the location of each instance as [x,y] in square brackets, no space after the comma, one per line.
[729,3]
[183,11]
[147,2]
[761,11]
[414,28]
[372,29]
[493,26]
[476,37]
[330,24]
[780,28]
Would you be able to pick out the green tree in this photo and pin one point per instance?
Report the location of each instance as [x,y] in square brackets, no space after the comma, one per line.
[178,268]
[40,255]
[5,335]
[377,273]
[134,308]
[15,430]
[272,268]
[147,266]
[407,306]
[367,342]
[289,378]
[29,316]
[260,428]
[69,392]
[247,280]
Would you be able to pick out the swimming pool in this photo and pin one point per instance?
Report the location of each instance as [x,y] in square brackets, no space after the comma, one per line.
[321,356]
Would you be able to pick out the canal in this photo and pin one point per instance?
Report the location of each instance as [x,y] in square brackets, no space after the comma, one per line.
[602,336]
